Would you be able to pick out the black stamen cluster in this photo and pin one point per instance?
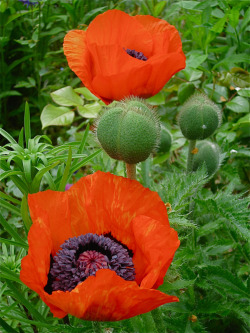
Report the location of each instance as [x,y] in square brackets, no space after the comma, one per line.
[66,272]
[136,54]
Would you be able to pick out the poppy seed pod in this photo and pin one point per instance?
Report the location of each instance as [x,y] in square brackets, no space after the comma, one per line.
[199,117]
[129,131]
[209,154]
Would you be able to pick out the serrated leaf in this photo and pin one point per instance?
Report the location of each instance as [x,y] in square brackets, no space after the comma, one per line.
[222,278]
[66,97]
[238,104]
[56,116]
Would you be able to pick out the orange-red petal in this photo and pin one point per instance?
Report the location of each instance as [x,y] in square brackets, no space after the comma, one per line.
[102,203]
[52,209]
[155,248]
[99,56]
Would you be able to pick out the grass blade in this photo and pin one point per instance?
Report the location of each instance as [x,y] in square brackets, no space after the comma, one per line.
[11,231]
[27,130]
[66,172]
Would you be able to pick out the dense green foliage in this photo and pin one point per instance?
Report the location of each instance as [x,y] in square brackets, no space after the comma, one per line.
[45,141]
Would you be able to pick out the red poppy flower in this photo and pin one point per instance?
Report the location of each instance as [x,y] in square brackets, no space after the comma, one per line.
[98,250]
[121,55]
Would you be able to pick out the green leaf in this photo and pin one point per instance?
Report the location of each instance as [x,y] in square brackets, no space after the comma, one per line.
[196,59]
[19,14]
[7,136]
[217,93]
[238,104]
[234,16]
[25,213]
[232,59]
[80,164]
[27,169]
[244,121]
[89,110]
[10,93]
[12,242]
[10,207]
[27,129]
[7,327]
[9,173]
[56,116]
[37,180]
[158,99]
[11,231]
[66,97]
[18,295]
[10,198]
[219,25]
[245,92]
[225,280]
[9,274]
[86,94]
[20,138]
[66,172]
[187,4]
[185,91]
[159,8]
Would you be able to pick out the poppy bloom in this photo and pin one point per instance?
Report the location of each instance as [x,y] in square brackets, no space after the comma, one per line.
[98,250]
[121,55]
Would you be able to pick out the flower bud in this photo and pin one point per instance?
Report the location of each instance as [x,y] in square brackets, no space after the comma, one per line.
[199,117]
[129,131]
[165,141]
[208,153]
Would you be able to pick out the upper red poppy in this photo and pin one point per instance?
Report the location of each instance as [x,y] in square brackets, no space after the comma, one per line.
[100,204]
[121,55]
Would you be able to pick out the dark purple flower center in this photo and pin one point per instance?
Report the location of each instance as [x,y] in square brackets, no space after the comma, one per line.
[136,54]
[82,256]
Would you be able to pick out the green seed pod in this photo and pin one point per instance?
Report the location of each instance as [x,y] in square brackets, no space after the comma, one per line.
[129,131]
[208,153]
[199,117]
[165,141]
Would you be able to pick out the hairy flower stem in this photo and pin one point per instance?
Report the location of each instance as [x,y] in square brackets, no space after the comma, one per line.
[159,323]
[97,328]
[190,158]
[131,170]
[145,169]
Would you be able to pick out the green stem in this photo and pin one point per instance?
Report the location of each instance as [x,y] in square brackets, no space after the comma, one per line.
[131,170]
[145,169]
[159,322]
[190,158]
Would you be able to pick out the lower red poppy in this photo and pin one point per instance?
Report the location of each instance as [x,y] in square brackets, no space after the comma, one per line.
[99,250]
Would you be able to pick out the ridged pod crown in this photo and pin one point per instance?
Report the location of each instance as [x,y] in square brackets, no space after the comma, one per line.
[208,153]
[129,131]
[199,117]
